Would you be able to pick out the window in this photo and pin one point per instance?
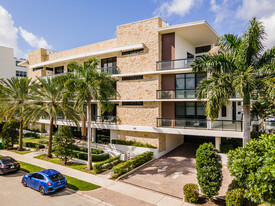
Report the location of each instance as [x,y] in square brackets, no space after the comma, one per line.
[195,110]
[49,69]
[190,56]
[132,78]
[203,49]
[56,177]
[223,111]
[39,176]
[108,62]
[132,103]
[21,74]
[136,51]
[38,68]
[17,62]
[188,81]
[59,70]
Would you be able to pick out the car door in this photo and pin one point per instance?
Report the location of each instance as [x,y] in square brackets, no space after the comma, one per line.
[31,180]
[37,181]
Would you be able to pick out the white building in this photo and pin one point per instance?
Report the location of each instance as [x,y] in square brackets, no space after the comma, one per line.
[9,64]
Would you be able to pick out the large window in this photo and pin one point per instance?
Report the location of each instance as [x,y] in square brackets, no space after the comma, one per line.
[203,49]
[188,81]
[137,51]
[132,78]
[21,74]
[108,62]
[59,70]
[194,110]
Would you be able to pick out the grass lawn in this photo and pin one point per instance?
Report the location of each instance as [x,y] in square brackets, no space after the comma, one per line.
[21,152]
[35,140]
[59,161]
[73,183]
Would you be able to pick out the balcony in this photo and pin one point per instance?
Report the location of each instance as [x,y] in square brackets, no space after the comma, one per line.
[111,70]
[104,119]
[201,124]
[174,64]
[176,94]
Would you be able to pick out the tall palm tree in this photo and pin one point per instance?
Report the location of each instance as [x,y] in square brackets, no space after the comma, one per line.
[14,96]
[87,84]
[241,67]
[49,103]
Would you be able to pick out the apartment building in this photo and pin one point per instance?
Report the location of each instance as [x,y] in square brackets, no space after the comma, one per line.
[10,65]
[155,101]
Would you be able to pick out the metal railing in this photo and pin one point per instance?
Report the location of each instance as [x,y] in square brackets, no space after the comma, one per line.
[204,124]
[176,94]
[174,64]
[104,119]
[111,70]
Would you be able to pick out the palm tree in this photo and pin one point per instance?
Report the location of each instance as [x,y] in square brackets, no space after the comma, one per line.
[241,67]
[14,96]
[87,84]
[49,102]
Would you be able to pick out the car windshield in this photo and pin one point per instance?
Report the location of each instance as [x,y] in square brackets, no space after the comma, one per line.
[56,177]
[7,161]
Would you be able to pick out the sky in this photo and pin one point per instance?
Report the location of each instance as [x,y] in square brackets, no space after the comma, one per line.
[26,25]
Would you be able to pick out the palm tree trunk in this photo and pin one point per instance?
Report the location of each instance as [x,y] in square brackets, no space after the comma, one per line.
[89,116]
[50,138]
[21,135]
[83,128]
[246,123]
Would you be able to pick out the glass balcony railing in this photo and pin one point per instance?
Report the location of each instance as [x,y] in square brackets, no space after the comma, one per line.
[176,94]
[104,119]
[204,124]
[111,70]
[174,64]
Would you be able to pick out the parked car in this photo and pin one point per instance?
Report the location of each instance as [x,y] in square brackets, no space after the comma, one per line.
[45,181]
[8,164]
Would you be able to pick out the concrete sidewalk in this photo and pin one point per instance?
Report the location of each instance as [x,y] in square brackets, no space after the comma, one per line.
[131,191]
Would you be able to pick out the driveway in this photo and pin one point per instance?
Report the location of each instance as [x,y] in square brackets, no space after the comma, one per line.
[171,172]
[13,193]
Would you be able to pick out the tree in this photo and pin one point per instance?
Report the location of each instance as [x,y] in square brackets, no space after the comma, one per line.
[209,173]
[253,168]
[241,67]
[87,84]
[10,133]
[14,96]
[63,143]
[49,102]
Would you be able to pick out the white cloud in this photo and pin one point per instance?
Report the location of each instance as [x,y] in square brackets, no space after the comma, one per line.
[34,41]
[179,7]
[8,32]
[269,23]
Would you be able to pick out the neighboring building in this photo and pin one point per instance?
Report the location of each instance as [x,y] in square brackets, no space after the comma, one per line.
[155,85]
[9,65]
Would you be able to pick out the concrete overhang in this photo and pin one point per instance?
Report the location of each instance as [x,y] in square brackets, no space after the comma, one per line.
[24,63]
[199,33]
[90,54]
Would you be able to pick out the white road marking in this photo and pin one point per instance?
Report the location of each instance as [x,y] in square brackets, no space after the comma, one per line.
[163,169]
[143,179]
[177,174]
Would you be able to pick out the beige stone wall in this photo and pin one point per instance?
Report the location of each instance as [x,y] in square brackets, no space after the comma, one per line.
[154,139]
[144,89]
[145,115]
[139,32]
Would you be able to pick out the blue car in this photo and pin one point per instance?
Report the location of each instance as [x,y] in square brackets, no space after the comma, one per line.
[45,181]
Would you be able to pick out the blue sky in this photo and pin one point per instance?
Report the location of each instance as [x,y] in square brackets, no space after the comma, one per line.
[64,24]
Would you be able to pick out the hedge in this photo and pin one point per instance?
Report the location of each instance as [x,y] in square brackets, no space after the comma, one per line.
[31,134]
[132,143]
[95,158]
[85,149]
[235,197]
[33,145]
[191,193]
[107,164]
[131,164]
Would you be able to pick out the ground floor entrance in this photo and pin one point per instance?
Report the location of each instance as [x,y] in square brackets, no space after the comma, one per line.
[172,171]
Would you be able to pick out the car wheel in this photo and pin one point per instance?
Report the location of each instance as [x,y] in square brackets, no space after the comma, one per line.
[24,182]
[42,190]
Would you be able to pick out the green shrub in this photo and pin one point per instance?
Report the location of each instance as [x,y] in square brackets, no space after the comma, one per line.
[191,193]
[256,134]
[85,149]
[31,134]
[43,141]
[208,166]
[253,168]
[131,164]
[33,145]
[10,133]
[132,143]
[95,158]
[107,164]
[230,144]
[235,197]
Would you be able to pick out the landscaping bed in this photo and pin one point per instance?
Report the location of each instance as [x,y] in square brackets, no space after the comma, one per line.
[132,143]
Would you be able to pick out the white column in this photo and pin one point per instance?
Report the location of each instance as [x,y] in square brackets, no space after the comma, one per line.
[218,143]
[98,110]
[113,134]
[93,134]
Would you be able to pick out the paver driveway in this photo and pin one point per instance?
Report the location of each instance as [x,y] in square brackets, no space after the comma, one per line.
[171,172]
